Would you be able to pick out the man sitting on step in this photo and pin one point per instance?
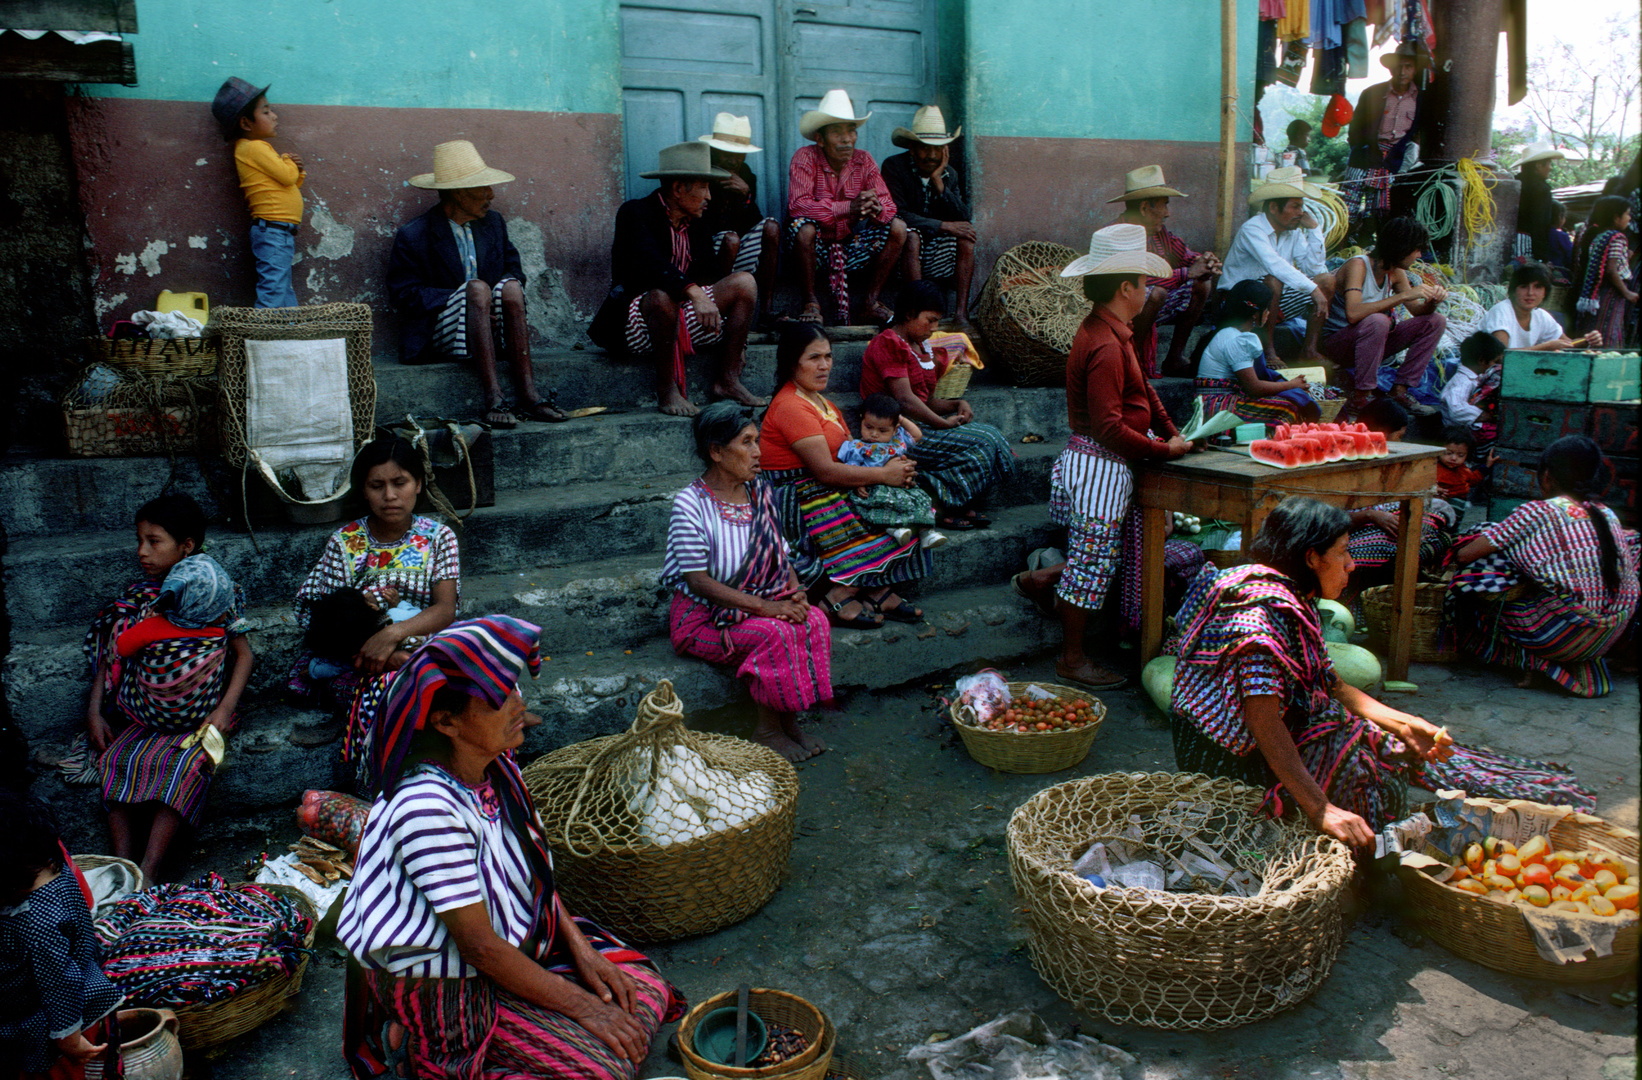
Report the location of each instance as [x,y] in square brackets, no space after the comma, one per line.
[663,303]
[1282,245]
[456,280]
[1178,298]
[940,236]
[840,213]
[743,238]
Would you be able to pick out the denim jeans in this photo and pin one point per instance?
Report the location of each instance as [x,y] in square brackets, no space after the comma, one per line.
[273,249]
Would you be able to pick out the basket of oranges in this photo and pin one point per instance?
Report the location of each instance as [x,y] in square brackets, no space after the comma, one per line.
[1584,868]
[1042,728]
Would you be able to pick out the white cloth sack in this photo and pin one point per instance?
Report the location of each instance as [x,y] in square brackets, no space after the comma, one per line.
[298,416]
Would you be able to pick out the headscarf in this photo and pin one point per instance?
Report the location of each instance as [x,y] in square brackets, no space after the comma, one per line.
[201,592]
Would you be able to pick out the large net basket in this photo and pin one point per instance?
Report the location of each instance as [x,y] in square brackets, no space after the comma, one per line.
[349,322]
[1176,960]
[112,412]
[1030,314]
[662,832]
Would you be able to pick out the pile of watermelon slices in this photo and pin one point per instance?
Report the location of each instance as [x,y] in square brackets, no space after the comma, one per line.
[1294,446]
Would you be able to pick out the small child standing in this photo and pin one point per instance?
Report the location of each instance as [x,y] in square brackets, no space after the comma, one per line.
[1456,479]
[1471,397]
[886,434]
[270,181]
[55,998]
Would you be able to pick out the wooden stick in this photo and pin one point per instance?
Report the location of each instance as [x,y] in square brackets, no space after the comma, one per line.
[1225,219]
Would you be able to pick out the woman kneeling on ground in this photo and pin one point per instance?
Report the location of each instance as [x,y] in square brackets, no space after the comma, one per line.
[959,459]
[798,447]
[465,959]
[1553,587]
[737,599]
[147,703]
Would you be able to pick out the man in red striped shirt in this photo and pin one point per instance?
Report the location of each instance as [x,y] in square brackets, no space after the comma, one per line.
[1177,299]
[840,212]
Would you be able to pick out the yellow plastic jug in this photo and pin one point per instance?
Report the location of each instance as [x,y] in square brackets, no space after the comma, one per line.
[196,305]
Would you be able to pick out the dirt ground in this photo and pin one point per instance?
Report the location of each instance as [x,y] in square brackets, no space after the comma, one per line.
[898,917]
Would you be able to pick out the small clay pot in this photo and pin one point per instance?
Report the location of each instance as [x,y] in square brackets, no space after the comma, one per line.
[148,1046]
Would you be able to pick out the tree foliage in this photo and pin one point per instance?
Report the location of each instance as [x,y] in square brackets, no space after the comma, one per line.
[1587,101]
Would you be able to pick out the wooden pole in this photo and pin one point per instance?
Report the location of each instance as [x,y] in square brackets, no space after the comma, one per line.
[1225,222]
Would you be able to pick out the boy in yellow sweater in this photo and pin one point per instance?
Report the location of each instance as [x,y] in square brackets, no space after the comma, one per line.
[270,181]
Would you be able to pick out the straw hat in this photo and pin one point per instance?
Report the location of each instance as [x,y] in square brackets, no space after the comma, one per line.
[1284,183]
[685,160]
[1146,182]
[1540,151]
[457,164]
[732,134]
[1408,50]
[1118,249]
[835,108]
[928,128]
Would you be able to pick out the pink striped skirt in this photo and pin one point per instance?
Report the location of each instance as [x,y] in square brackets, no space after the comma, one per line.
[788,667]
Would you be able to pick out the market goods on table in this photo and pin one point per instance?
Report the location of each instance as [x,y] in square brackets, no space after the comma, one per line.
[335,818]
[1294,446]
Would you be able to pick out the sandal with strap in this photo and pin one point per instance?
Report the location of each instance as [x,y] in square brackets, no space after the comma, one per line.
[901,612]
[859,621]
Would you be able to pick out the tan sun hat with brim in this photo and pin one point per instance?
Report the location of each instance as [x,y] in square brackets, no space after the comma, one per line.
[732,134]
[457,164]
[1284,183]
[684,161]
[835,108]
[1408,50]
[1540,151]
[1146,182]
[1118,249]
[928,129]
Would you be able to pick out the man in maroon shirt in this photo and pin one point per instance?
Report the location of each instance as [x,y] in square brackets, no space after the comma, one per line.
[840,211]
[1116,418]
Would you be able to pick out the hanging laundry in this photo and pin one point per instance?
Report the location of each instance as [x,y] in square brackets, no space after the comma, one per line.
[1328,74]
[1265,56]
[1272,9]
[1356,42]
[1390,24]
[1295,25]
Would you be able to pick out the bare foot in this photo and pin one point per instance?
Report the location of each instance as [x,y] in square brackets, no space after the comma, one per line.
[674,403]
[811,743]
[781,744]
[1525,681]
[731,387]
[1312,357]
[876,312]
[811,313]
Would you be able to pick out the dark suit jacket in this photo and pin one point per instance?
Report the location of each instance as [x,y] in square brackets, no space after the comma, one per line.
[425,268]
[641,259]
[918,205]
[1364,134]
[1535,214]
[737,213]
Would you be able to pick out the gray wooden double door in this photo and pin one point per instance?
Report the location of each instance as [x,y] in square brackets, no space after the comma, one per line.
[770,60]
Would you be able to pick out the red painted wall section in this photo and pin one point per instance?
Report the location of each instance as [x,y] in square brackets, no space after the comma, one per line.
[1056,189]
[164,210]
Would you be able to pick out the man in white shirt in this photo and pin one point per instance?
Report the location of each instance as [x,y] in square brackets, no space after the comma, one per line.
[1283,246]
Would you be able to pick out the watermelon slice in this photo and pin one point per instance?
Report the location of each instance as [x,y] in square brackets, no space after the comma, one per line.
[1330,428]
[1365,445]
[1311,450]
[1377,444]
[1281,453]
[1331,449]
[1346,445]
[1281,433]
[1358,426]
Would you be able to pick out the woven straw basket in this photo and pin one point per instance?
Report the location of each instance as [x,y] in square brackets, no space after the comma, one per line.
[847,1067]
[1494,935]
[773,1006]
[92,862]
[1029,751]
[1169,960]
[953,381]
[155,358]
[1030,313]
[215,1022]
[1425,644]
[1329,408]
[611,870]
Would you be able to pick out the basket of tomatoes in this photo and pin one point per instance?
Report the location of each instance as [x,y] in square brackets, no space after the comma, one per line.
[1584,867]
[1042,728]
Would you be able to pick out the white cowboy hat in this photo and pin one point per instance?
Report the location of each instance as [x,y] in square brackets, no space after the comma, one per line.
[1118,249]
[1284,183]
[732,134]
[683,160]
[457,164]
[928,128]
[1540,151]
[1146,182]
[835,108]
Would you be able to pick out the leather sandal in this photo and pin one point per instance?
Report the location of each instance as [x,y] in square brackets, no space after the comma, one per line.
[861,620]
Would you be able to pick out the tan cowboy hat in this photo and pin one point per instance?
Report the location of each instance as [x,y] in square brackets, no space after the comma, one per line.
[1540,151]
[1408,50]
[457,164]
[835,108]
[683,160]
[1118,249]
[1284,183]
[732,134]
[928,128]
[1146,182]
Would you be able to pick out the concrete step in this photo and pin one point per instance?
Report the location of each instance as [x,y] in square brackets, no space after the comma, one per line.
[62,579]
[279,750]
[614,601]
[42,495]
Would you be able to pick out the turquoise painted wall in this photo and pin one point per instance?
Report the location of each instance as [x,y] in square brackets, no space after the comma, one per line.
[1104,69]
[542,55]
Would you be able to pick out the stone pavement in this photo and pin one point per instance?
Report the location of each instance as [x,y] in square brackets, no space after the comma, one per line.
[898,916]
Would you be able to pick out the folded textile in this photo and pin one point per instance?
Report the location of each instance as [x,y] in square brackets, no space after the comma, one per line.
[168,324]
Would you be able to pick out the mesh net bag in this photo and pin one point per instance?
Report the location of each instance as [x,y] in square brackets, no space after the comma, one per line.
[662,832]
[349,322]
[118,412]
[1030,314]
[1170,959]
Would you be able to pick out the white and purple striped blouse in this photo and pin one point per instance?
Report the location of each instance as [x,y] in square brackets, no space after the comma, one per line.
[705,535]
[437,845]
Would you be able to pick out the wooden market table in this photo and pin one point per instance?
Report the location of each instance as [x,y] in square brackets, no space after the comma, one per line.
[1231,486]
